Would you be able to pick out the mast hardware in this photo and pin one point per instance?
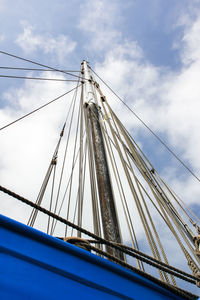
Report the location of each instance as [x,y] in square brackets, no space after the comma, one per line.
[79,242]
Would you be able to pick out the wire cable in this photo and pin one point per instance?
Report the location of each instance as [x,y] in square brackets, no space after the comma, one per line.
[35,78]
[36,63]
[34,69]
[152,132]
[35,110]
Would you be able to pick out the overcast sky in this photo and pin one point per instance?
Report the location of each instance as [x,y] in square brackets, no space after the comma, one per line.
[147,51]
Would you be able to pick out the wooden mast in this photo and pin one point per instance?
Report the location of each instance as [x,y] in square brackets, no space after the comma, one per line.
[108,212]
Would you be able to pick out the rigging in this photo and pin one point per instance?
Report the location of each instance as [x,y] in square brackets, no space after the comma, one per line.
[37,109]
[36,63]
[152,132]
[135,184]
[36,78]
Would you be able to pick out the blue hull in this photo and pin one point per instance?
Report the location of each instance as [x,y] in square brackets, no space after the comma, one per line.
[37,266]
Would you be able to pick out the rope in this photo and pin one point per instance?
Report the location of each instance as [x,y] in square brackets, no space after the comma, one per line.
[129,223]
[93,180]
[134,253]
[121,192]
[122,263]
[61,205]
[158,189]
[143,168]
[52,165]
[73,163]
[81,177]
[66,148]
[135,197]
[51,199]
[152,132]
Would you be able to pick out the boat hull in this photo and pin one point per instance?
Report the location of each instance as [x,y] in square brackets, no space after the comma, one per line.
[37,266]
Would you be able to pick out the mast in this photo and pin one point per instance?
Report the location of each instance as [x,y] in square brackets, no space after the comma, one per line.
[108,212]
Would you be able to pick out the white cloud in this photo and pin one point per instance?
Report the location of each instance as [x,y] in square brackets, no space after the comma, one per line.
[31,42]
[2,38]
[28,145]
[98,18]
[189,45]
[168,101]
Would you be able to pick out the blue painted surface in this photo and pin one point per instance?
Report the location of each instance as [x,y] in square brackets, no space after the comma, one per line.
[37,266]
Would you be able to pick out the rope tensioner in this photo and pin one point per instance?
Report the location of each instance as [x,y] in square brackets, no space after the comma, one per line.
[79,242]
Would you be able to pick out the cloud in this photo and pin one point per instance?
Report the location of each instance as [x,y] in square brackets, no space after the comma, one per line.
[27,147]
[60,46]
[183,96]
[2,38]
[189,44]
[98,19]
[167,100]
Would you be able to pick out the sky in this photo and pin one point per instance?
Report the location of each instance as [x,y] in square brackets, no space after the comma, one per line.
[147,51]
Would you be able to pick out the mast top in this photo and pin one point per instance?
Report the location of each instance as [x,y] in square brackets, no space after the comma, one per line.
[88,79]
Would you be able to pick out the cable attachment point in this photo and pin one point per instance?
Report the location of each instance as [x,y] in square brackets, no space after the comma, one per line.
[195,271]
[96,84]
[103,98]
[198,280]
[79,242]
[195,226]
[197,244]
[54,161]
[152,171]
[62,132]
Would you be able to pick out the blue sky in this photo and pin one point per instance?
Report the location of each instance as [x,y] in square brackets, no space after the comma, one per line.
[148,51]
[151,24]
